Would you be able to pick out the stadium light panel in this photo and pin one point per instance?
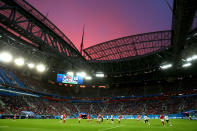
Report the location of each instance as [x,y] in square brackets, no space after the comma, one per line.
[40,68]
[188,38]
[189,59]
[186,65]
[31,65]
[5,57]
[19,61]
[82,74]
[100,75]
[194,57]
[88,78]
[166,66]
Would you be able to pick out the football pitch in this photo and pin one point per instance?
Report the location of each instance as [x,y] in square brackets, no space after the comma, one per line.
[73,125]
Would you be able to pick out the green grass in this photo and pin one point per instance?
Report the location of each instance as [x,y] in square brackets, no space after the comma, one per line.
[73,125]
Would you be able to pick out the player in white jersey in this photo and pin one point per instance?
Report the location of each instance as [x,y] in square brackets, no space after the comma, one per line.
[61,117]
[146,119]
[112,118]
[107,118]
[168,120]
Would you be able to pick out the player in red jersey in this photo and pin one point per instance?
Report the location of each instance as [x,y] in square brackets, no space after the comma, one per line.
[162,119]
[91,117]
[64,119]
[119,118]
[79,117]
[88,118]
[99,118]
[138,117]
[14,116]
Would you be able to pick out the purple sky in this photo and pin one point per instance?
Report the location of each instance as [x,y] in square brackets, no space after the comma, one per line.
[105,19]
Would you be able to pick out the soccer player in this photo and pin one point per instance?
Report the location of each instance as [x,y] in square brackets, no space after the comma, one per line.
[162,119]
[14,116]
[112,119]
[64,121]
[146,119]
[107,117]
[99,118]
[190,117]
[91,117]
[26,116]
[138,117]
[61,117]
[79,117]
[102,118]
[119,118]
[88,118]
[167,120]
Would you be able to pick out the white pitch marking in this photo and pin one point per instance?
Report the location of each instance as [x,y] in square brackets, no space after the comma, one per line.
[108,128]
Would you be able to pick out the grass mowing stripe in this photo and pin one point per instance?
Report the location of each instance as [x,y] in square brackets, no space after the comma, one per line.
[73,125]
[3,126]
[108,128]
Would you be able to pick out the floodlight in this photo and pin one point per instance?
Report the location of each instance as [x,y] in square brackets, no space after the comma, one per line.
[166,66]
[31,65]
[5,57]
[19,61]
[186,65]
[189,59]
[82,74]
[40,68]
[100,75]
[194,57]
[88,77]
[188,38]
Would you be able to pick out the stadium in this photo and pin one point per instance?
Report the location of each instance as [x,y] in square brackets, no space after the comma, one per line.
[145,81]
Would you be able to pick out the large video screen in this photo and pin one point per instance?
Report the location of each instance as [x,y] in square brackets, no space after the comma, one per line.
[69,78]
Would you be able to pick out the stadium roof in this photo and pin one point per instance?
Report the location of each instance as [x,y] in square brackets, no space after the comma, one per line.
[129,47]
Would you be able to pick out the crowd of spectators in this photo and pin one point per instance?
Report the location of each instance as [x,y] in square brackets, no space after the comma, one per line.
[44,106]
[16,104]
[37,84]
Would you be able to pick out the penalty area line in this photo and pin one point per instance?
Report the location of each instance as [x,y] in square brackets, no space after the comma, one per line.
[108,128]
